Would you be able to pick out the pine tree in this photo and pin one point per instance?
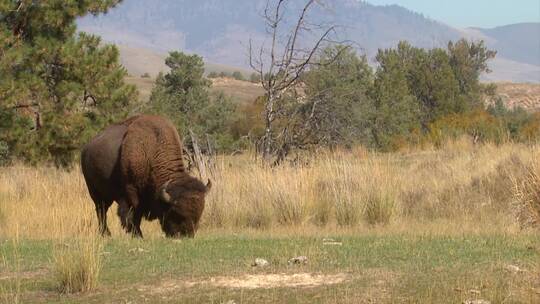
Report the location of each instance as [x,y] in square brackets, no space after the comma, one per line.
[57,87]
[237,75]
[395,110]
[183,96]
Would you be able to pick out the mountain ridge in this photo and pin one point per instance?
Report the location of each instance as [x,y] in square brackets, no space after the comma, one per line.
[219,30]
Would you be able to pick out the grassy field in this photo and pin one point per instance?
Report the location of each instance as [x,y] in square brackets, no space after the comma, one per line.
[433,226]
[215,268]
[238,91]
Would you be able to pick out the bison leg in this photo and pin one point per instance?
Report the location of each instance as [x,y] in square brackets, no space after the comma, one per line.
[101,211]
[130,215]
[131,221]
[123,214]
[135,226]
[102,205]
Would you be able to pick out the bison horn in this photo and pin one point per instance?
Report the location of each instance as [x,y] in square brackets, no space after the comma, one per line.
[208,185]
[165,196]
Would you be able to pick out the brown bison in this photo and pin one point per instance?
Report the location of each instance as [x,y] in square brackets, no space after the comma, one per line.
[138,163]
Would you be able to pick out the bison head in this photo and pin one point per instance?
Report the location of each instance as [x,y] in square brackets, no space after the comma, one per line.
[185,198]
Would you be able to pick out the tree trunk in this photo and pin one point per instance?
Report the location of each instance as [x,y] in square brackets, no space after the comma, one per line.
[268,119]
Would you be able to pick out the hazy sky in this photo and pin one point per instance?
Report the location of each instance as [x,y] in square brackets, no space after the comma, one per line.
[475,13]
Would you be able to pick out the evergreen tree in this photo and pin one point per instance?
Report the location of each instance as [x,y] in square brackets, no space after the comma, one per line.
[395,110]
[212,75]
[255,78]
[469,61]
[432,82]
[56,87]
[336,99]
[237,75]
[183,96]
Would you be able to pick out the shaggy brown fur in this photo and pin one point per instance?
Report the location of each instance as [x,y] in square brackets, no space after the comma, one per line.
[138,163]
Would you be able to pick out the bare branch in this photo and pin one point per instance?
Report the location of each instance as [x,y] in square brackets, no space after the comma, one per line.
[297,29]
[299,68]
[25,106]
[285,63]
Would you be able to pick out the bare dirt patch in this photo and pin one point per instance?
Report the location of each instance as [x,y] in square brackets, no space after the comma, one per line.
[253,281]
[278,280]
[231,82]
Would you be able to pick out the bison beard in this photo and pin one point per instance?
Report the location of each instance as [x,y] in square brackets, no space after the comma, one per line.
[138,163]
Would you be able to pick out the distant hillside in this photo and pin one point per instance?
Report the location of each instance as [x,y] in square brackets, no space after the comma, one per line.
[239,91]
[505,70]
[519,42]
[219,30]
[139,61]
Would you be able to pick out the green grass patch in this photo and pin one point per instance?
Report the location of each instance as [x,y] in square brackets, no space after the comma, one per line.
[387,269]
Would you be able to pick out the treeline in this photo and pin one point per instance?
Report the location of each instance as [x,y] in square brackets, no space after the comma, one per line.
[253,77]
[414,97]
[58,88]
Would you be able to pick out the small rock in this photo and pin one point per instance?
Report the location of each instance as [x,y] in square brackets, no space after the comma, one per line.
[300,260]
[260,263]
[331,242]
[137,250]
[474,291]
[513,268]
[478,301]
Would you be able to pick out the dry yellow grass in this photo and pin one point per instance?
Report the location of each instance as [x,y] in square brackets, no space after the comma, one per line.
[460,188]
[239,91]
[144,86]
[527,194]
[77,266]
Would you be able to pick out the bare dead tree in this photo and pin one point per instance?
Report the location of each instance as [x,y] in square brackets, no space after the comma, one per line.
[281,65]
[203,158]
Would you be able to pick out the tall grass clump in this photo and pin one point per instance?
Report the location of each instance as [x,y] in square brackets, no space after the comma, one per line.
[323,203]
[289,197]
[380,208]
[527,195]
[77,266]
[350,190]
[344,197]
